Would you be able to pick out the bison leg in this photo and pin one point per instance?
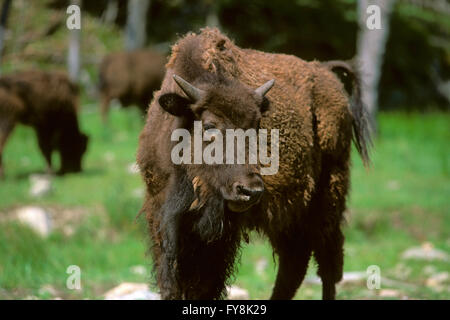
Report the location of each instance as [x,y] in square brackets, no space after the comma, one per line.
[293,257]
[45,145]
[6,127]
[104,107]
[330,258]
[329,206]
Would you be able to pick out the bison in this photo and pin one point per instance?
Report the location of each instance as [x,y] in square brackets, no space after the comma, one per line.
[198,214]
[46,101]
[130,77]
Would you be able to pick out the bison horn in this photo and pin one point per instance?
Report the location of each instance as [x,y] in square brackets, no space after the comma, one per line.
[265,88]
[192,92]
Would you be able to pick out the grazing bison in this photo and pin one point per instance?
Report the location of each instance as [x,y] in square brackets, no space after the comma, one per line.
[130,77]
[48,103]
[198,214]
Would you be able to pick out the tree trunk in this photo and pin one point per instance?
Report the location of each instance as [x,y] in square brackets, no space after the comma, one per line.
[3,20]
[212,18]
[371,47]
[110,13]
[135,30]
[73,56]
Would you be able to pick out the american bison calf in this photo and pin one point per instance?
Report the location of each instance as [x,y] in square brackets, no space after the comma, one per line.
[198,213]
[130,77]
[46,101]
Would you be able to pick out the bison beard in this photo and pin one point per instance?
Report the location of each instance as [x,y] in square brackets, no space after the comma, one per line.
[191,237]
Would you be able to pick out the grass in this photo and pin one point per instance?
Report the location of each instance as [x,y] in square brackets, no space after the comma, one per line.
[401,202]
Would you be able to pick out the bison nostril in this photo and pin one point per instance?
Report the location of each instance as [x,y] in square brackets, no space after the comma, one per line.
[241,190]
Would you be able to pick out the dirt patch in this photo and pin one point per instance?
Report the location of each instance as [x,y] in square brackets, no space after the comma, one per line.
[63,219]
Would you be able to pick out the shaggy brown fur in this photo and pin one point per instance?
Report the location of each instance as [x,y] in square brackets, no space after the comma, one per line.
[302,206]
[130,77]
[48,103]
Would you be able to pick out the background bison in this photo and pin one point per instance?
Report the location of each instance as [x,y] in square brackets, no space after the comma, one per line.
[48,103]
[130,77]
[194,211]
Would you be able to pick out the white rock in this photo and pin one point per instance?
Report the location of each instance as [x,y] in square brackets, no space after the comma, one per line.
[36,218]
[139,270]
[109,156]
[261,266]
[236,293]
[48,289]
[425,252]
[41,184]
[138,193]
[429,269]
[390,293]
[437,280]
[354,276]
[133,168]
[348,277]
[25,161]
[393,185]
[131,291]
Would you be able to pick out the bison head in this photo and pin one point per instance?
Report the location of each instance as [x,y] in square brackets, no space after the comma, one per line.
[220,105]
[72,151]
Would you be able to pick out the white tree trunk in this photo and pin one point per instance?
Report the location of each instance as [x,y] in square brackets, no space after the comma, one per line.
[110,13]
[371,47]
[135,30]
[3,19]
[74,56]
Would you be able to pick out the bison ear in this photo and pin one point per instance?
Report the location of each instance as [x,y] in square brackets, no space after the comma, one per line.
[175,104]
[265,105]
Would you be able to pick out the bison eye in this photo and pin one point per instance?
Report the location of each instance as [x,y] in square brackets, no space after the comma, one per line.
[208,126]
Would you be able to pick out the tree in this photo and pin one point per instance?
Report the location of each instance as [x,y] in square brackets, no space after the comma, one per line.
[111,11]
[135,29]
[73,56]
[3,20]
[371,47]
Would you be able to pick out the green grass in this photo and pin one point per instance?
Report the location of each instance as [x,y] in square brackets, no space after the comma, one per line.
[401,202]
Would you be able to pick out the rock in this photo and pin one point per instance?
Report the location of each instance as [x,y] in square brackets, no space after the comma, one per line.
[429,269]
[393,185]
[138,193]
[25,161]
[131,291]
[389,293]
[260,266]
[236,293]
[139,270]
[109,157]
[133,168]
[41,184]
[48,289]
[437,281]
[402,271]
[354,276]
[348,277]
[36,218]
[425,252]
[312,280]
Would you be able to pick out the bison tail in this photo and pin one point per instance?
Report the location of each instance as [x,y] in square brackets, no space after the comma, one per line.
[361,125]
